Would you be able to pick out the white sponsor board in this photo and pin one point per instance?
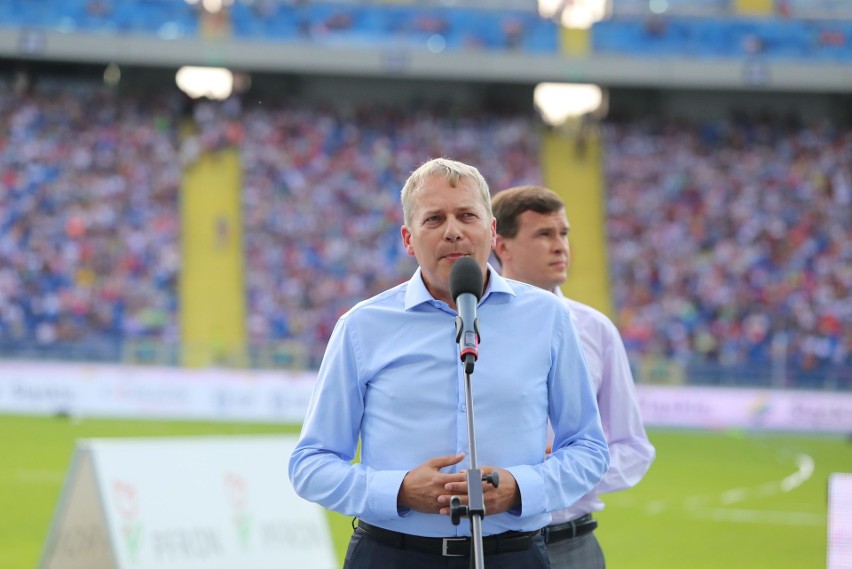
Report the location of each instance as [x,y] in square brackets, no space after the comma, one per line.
[185,503]
[840,521]
[97,390]
[760,409]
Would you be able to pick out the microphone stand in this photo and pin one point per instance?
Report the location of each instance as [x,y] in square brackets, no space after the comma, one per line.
[475,509]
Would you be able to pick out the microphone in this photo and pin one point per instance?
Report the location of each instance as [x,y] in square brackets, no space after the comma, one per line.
[466,290]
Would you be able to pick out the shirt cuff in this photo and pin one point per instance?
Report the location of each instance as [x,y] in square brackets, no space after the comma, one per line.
[532,491]
[383,491]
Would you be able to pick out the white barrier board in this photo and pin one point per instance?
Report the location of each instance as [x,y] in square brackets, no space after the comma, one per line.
[185,503]
[101,390]
[839,521]
[741,408]
[97,390]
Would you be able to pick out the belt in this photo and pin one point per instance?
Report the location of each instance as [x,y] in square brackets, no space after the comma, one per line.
[450,546]
[569,530]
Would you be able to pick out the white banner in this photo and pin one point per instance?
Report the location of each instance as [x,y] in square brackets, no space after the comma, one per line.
[185,503]
[840,520]
[154,392]
[283,396]
[760,409]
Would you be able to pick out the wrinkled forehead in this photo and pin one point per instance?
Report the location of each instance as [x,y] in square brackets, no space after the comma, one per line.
[438,195]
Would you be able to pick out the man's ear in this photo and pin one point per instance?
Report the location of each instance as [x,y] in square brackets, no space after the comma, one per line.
[406,240]
[501,248]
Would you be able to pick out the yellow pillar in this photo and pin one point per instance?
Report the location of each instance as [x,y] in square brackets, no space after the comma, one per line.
[572,168]
[212,298]
[754,7]
[575,42]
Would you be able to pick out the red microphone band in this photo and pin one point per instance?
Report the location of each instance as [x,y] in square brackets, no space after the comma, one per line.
[467,351]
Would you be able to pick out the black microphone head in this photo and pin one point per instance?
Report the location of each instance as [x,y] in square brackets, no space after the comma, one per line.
[466,277]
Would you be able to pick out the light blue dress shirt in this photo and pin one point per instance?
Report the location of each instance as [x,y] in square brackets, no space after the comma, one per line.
[392,375]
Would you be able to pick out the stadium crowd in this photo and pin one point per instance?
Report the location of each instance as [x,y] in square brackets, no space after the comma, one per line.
[89,223]
[321,202]
[730,243]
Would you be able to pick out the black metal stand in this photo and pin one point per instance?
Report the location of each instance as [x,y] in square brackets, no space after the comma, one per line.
[475,508]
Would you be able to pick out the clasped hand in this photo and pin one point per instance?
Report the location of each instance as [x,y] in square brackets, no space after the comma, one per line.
[426,489]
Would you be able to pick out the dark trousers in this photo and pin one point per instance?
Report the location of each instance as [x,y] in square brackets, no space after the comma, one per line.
[582,552]
[365,552]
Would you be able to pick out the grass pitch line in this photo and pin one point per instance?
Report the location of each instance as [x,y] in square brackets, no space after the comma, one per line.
[739,516]
[698,506]
[656,507]
[804,470]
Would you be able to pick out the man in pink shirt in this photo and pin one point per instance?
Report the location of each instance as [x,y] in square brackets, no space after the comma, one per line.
[532,247]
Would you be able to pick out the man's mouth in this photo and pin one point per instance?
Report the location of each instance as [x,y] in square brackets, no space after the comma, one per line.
[455,256]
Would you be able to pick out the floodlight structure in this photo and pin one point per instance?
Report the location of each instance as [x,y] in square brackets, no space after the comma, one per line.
[561,104]
[575,14]
[215,83]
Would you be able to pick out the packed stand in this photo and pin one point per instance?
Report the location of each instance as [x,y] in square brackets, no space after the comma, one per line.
[731,245]
[321,203]
[508,26]
[89,224]
[671,36]
[165,19]
[412,26]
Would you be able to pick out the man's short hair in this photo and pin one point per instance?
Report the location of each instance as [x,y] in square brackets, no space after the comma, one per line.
[452,171]
[509,204]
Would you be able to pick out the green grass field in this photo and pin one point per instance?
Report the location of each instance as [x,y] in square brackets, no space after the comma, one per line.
[712,499]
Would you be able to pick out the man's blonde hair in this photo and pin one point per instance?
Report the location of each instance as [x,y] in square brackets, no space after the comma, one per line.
[453,171]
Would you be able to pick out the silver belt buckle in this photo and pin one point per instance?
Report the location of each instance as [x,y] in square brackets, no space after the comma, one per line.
[445,543]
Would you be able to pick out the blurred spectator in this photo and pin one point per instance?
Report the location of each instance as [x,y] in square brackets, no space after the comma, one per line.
[514,31]
[99,8]
[430,23]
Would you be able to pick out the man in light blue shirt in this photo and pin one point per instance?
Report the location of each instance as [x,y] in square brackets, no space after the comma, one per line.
[392,377]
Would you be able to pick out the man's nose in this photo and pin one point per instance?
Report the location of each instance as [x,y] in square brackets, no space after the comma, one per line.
[453,230]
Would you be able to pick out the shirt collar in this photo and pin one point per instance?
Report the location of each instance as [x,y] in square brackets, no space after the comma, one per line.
[416,293]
